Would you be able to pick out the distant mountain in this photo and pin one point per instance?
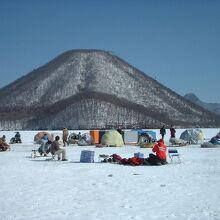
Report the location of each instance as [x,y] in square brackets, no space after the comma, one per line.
[86,89]
[212,107]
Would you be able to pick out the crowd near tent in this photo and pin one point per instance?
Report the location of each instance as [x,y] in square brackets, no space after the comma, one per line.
[150,134]
[178,142]
[72,138]
[193,136]
[85,139]
[146,139]
[214,142]
[112,138]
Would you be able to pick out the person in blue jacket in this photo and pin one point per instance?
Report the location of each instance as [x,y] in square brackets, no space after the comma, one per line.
[215,140]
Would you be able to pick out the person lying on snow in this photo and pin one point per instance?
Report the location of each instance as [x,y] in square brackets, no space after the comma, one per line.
[159,159]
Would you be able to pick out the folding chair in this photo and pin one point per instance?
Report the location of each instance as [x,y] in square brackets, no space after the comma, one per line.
[174,153]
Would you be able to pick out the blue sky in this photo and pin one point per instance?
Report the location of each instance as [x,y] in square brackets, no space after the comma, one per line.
[175,41]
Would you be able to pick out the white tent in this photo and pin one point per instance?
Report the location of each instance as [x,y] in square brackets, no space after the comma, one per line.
[193,136]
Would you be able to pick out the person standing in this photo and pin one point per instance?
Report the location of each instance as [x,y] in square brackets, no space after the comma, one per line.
[56,150]
[163,131]
[172,132]
[79,136]
[44,141]
[65,136]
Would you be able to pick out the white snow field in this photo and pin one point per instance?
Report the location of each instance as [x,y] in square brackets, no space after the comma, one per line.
[40,189]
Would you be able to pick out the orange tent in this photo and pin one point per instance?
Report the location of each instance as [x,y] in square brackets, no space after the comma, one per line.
[39,136]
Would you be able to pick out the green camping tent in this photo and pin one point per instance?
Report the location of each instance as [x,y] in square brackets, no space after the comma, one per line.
[112,138]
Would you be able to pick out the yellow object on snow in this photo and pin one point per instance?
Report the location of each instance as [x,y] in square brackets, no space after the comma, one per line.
[112,138]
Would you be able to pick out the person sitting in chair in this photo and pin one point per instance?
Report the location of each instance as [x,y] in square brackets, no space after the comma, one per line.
[44,149]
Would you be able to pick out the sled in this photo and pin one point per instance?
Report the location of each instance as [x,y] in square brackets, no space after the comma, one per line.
[35,154]
[147,145]
[103,157]
[104,145]
[175,142]
[209,145]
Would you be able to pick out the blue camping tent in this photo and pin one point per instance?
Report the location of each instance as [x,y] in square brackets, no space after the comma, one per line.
[150,133]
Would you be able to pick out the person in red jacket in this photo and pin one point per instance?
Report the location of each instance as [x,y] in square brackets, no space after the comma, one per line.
[161,157]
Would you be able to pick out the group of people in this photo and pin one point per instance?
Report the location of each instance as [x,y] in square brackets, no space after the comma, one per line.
[54,147]
[160,148]
[172,132]
[47,146]
[67,137]
[44,148]
[159,158]
[3,144]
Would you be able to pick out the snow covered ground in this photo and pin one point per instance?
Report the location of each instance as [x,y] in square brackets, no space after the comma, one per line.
[41,189]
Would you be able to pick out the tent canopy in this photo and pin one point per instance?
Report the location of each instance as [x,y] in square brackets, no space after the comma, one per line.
[39,136]
[193,136]
[85,139]
[146,136]
[112,137]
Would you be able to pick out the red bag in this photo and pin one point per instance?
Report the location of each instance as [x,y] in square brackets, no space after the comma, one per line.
[135,161]
[116,157]
[124,161]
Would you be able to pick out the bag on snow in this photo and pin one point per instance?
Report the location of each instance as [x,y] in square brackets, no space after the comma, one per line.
[135,161]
